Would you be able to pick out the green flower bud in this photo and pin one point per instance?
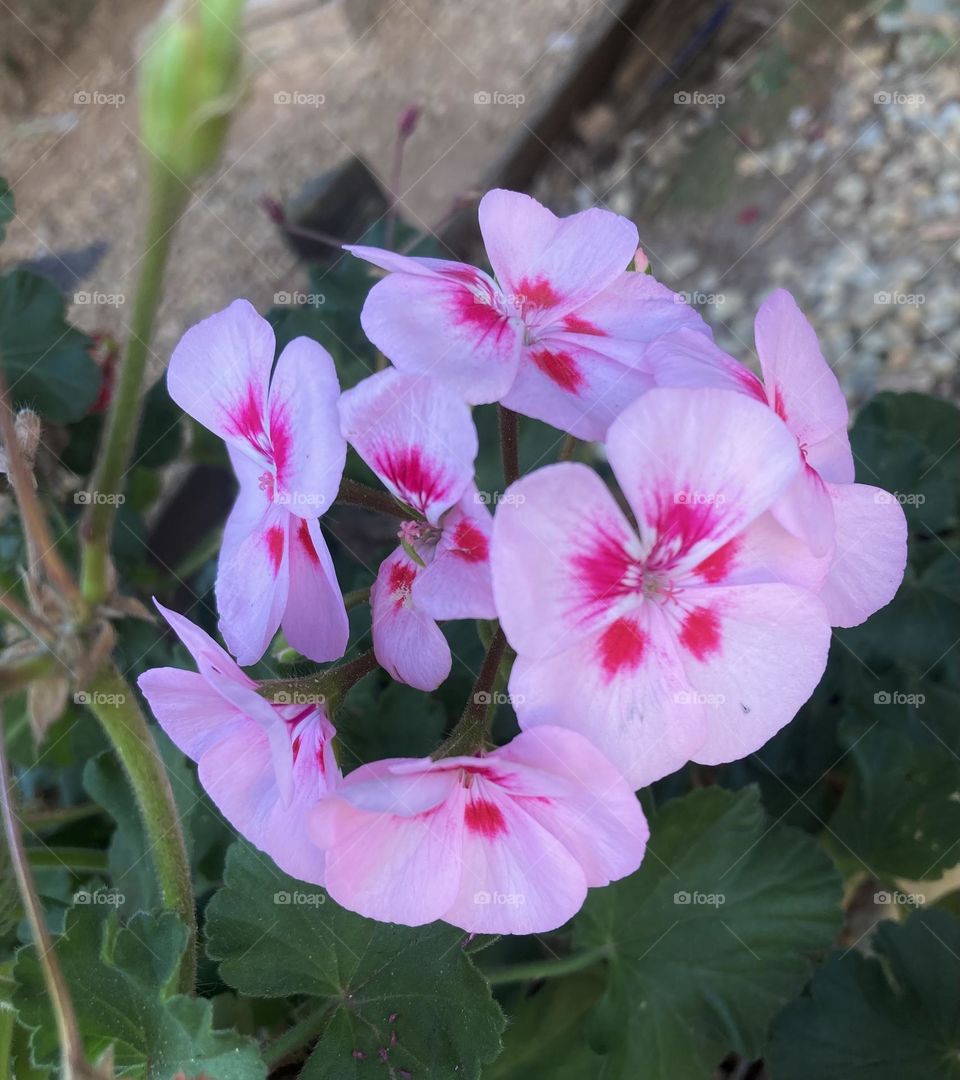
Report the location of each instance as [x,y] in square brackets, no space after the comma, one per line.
[190,82]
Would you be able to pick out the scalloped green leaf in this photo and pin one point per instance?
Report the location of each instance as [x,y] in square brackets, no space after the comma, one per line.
[394,996]
[889,1016]
[710,937]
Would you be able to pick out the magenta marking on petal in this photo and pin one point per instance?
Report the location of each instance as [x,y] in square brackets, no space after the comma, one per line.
[621,647]
[606,570]
[275,538]
[469,543]
[281,440]
[577,325]
[536,292]
[717,566]
[246,421]
[679,525]
[484,818]
[418,480]
[700,633]
[559,367]
[306,541]
[400,582]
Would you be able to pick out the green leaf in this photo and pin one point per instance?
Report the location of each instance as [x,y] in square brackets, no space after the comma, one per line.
[899,816]
[7,207]
[45,359]
[409,993]
[117,977]
[889,1016]
[709,938]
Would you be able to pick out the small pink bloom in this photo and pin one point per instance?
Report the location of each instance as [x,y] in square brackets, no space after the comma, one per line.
[502,843]
[558,334]
[284,441]
[419,438]
[264,765]
[857,532]
[680,643]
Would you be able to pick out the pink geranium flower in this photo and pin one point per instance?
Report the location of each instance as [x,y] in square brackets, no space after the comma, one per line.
[502,843]
[419,438]
[264,765]
[557,334]
[678,643]
[284,441]
[858,532]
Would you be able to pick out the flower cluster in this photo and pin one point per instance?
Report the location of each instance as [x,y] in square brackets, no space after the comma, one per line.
[685,618]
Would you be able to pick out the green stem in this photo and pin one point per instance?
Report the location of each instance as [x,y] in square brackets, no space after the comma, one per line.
[357,494]
[547,969]
[39,820]
[327,688]
[509,444]
[16,674]
[79,860]
[68,1031]
[168,199]
[569,448]
[356,598]
[470,734]
[114,704]
[295,1038]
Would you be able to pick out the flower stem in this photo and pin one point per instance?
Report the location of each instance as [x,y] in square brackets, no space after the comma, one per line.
[295,1038]
[72,1055]
[470,734]
[509,444]
[547,969]
[357,494]
[326,688]
[168,199]
[114,705]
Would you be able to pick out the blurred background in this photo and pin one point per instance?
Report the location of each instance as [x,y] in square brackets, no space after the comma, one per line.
[803,143]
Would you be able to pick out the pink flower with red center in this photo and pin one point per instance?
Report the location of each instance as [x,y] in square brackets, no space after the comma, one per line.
[419,438]
[284,441]
[502,843]
[558,334]
[678,642]
[264,765]
[856,532]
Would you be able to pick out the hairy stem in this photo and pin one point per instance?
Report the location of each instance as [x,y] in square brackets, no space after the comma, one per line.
[357,494]
[296,1038]
[470,734]
[114,704]
[168,199]
[72,1055]
[547,969]
[509,444]
[327,688]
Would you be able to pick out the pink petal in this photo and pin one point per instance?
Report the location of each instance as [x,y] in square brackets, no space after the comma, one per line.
[698,466]
[308,449]
[394,861]
[406,641]
[753,654]
[417,436]
[457,583]
[315,620]
[802,387]
[253,575]
[189,709]
[219,373]
[566,382]
[202,647]
[551,265]
[452,327]
[238,775]
[562,557]
[592,811]
[624,688]
[870,554]
[805,510]
[688,359]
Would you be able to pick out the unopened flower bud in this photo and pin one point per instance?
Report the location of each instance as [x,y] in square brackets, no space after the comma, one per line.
[190,81]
